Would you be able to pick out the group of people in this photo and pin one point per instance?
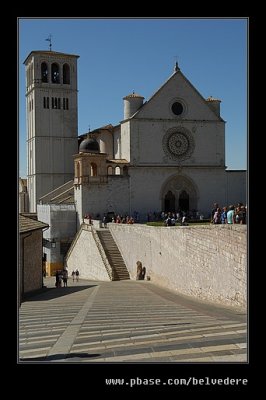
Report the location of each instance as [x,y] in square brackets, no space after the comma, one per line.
[61,276]
[75,274]
[229,215]
[173,218]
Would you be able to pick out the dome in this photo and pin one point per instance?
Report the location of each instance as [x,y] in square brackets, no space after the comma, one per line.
[89,146]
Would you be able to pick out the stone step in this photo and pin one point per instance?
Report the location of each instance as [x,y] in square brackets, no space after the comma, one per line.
[113,255]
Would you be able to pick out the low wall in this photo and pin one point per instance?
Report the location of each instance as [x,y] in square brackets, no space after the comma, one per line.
[206,262]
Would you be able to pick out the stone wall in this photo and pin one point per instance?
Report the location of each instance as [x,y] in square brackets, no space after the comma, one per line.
[86,257]
[206,262]
[31,261]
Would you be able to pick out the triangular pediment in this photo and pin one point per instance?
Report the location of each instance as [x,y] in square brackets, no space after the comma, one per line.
[177,89]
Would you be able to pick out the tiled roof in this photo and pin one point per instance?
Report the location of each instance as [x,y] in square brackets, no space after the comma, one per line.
[50,53]
[29,224]
[120,161]
[212,99]
[67,199]
[32,215]
[108,127]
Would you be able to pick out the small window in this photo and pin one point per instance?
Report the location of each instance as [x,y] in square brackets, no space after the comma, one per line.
[93,169]
[117,171]
[44,72]
[65,104]
[55,73]
[66,74]
[109,171]
[28,77]
[78,170]
[177,108]
[46,102]
[54,102]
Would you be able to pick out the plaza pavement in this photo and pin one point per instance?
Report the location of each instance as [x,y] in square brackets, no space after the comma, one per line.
[126,321]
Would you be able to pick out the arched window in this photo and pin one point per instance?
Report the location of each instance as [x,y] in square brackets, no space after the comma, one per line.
[44,72]
[109,171]
[28,77]
[55,73]
[93,169]
[78,172]
[66,74]
[125,170]
[31,74]
[117,170]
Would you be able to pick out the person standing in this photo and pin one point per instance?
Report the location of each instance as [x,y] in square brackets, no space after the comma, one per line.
[105,221]
[65,277]
[57,279]
[77,275]
[231,215]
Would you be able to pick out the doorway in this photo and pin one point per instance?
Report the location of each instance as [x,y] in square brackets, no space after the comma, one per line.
[184,201]
[169,202]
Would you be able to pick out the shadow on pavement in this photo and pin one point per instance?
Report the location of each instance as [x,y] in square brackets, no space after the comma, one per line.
[61,357]
[52,293]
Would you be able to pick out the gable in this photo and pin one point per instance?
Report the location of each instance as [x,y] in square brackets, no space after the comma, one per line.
[177,90]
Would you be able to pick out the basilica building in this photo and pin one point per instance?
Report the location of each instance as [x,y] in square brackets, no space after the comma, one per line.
[167,154]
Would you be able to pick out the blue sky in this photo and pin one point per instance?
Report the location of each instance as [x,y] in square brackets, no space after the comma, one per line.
[118,56]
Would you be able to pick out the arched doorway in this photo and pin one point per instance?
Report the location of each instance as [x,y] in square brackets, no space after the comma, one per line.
[169,202]
[179,193]
[184,201]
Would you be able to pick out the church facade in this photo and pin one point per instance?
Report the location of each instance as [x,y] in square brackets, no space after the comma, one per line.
[167,154]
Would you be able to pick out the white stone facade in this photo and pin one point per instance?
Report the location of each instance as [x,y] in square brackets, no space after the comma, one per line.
[86,257]
[168,155]
[52,121]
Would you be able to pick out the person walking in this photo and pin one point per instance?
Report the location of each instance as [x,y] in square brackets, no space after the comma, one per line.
[105,221]
[73,275]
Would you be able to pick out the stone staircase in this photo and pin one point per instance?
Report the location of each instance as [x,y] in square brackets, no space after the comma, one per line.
[119,269]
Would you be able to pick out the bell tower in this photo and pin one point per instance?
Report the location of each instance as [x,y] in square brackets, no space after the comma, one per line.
[52,121]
